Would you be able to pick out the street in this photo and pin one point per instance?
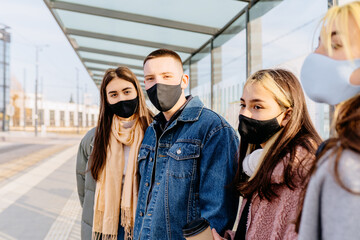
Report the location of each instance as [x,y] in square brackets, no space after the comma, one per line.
[38,197]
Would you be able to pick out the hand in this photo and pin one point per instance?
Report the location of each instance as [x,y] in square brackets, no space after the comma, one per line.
[216,236]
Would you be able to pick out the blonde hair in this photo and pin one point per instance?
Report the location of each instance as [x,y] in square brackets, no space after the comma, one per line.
[338,17]
[267,81]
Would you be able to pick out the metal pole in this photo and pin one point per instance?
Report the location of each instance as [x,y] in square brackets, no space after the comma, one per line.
[24,105]
[36,88]
[4,86]
[78,102]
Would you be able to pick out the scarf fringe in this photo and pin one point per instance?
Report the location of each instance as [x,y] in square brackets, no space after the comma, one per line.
[102,236]
[127,223]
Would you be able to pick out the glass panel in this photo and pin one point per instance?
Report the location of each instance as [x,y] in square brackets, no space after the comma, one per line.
[108,58]
[229,66]
[97,65]
[186,67]
[195,11]
[278,39]
[100,74]
[200,79]
[131,30]
[139,72]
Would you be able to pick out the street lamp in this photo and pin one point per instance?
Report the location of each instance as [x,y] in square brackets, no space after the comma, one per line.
[38,49]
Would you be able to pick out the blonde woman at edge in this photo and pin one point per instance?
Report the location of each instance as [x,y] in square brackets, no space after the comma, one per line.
[332,75]
[106,167]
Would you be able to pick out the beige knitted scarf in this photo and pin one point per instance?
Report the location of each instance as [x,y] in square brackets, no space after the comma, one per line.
[113,198]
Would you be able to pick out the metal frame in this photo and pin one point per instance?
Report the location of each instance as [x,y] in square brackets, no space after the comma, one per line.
[111,53]
[111,63]
[70,31]
[219,32]
[133,17]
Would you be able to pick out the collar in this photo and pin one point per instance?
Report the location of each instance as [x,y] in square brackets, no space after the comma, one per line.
[161,120]
[189,111]
[192,110]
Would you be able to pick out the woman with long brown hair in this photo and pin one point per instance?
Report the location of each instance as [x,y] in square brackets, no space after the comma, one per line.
[277,146]
[106,166]
[331,75]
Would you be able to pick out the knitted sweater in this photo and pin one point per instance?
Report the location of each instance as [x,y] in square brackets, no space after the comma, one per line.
[330,212]
[275,219]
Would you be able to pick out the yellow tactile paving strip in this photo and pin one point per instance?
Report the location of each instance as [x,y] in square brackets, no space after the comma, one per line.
[15,166]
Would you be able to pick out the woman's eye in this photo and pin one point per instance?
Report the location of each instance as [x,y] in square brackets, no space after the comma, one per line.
[257,107]
[335,46]
[113,95]
[242,105]
[127,92]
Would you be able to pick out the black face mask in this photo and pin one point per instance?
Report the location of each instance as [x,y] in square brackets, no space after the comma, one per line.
[126,108]
[257,131]
[163,96]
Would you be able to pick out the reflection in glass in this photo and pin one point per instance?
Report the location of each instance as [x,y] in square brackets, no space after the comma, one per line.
[200,79]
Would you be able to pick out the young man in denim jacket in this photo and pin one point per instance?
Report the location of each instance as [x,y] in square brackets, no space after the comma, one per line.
[186,160]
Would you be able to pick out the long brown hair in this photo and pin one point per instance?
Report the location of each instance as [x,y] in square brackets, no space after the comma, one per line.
[299,131]
[101,141]
[347,126]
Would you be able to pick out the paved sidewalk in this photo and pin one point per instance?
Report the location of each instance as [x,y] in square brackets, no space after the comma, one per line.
[41,201]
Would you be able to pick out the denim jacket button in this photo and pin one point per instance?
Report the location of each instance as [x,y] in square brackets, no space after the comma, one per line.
[178,151]
[141,214]
[149,214]
[151,159]
[147,184]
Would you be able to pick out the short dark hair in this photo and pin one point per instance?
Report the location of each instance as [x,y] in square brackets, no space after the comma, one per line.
[163,53]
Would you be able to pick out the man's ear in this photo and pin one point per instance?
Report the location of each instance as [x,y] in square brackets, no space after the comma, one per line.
[184,81]
[287,117]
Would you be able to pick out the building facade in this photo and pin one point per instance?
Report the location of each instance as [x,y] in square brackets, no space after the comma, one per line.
[52,116]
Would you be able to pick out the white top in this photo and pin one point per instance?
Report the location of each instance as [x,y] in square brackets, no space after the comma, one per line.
[127,124]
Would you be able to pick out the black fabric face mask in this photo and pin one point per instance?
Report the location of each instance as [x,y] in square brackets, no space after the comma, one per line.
[257,131]
[126,108]
[164,96]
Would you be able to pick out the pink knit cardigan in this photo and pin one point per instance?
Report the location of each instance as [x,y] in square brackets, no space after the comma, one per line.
[275,219]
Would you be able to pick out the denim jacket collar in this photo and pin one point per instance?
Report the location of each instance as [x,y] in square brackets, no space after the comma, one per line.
[192,111]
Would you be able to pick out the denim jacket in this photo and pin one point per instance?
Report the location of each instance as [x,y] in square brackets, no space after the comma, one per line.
[195,160]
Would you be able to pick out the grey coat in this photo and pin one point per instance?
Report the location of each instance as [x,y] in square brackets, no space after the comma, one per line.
[330,212]
[85,184]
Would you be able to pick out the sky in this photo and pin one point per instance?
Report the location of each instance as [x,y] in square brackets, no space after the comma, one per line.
[31,24]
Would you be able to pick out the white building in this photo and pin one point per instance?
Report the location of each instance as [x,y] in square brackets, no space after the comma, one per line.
[52,116]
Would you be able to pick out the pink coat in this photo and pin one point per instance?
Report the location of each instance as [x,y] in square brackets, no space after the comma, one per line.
[275,219]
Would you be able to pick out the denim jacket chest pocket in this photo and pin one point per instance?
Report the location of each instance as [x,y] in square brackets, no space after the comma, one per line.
[144,154]
[183,157]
